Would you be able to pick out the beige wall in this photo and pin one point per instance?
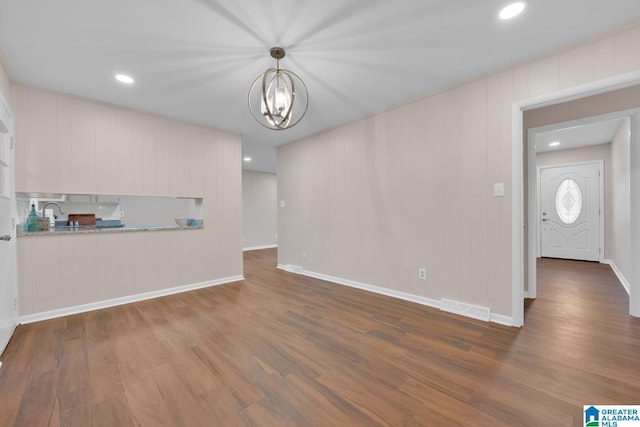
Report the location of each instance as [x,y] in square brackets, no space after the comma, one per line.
[594,152]
[594,105]
[374,200]
[66,144]
[259,209]
[621,195]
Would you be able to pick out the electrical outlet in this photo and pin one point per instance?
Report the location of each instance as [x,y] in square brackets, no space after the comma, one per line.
[304,254]
[121,214]
[422,273]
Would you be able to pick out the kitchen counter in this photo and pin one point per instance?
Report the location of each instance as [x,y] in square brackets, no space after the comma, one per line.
[59,231]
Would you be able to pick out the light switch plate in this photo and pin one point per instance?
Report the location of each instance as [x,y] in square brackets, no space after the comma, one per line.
[282,204]
[498,189]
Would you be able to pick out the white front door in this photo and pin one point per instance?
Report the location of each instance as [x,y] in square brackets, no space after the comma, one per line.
[570,211]
[8,275]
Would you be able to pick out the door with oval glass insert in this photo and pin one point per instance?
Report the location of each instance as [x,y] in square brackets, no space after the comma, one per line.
[570,211]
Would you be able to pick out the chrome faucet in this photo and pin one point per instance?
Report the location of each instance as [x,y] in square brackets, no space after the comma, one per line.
[52,203]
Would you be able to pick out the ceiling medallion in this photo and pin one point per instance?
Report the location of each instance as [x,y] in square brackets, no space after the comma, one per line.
[278,98]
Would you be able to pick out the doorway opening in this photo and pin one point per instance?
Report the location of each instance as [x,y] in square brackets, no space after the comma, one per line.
[567,105]
[602,143]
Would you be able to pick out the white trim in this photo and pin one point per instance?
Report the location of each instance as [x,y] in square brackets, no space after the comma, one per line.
[256,248]
[533,216]
[289,268]
[581,91]
[7,126]
[124,300]
[517,220]
[517,243]
[466,310]
[634,208]
[4,343]
[501,319]
[623,280]
[375,289]
[6,115]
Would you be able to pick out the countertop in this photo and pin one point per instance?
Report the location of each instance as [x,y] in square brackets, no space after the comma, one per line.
[61,231]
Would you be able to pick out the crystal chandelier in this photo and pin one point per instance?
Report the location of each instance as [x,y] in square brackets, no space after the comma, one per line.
[278,98]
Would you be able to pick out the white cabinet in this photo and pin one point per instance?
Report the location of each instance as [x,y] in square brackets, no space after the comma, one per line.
[106,149]
[148,161]
[195,153]
[107,200]
[82,140]
[70,145]
[163,157]
[127,135]
[42,158]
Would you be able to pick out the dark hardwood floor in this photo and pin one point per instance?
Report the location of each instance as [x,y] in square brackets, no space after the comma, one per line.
[280,349]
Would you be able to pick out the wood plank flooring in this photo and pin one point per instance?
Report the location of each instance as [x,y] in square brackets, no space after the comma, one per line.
[280,349]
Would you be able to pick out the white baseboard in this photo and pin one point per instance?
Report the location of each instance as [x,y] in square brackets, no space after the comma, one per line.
[6,339]
[618,273]
[467,310]
[30,318]
[501,319]
[376,289]
[291,268]
[256,248]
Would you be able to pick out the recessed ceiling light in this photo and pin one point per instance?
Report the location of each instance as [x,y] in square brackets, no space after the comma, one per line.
[554,144]
[247,159]
[123,78]
[512,10]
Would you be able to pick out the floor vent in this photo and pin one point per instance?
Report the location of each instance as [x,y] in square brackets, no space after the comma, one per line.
[469,310]
[292,268]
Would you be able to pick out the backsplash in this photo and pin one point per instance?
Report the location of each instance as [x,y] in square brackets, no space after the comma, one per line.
[134,211]
[104,211]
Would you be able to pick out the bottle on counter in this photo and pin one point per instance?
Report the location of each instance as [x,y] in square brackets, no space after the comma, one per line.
[32,220]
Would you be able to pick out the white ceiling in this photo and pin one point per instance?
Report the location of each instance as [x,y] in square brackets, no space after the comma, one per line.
[601,132]
[195,59]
